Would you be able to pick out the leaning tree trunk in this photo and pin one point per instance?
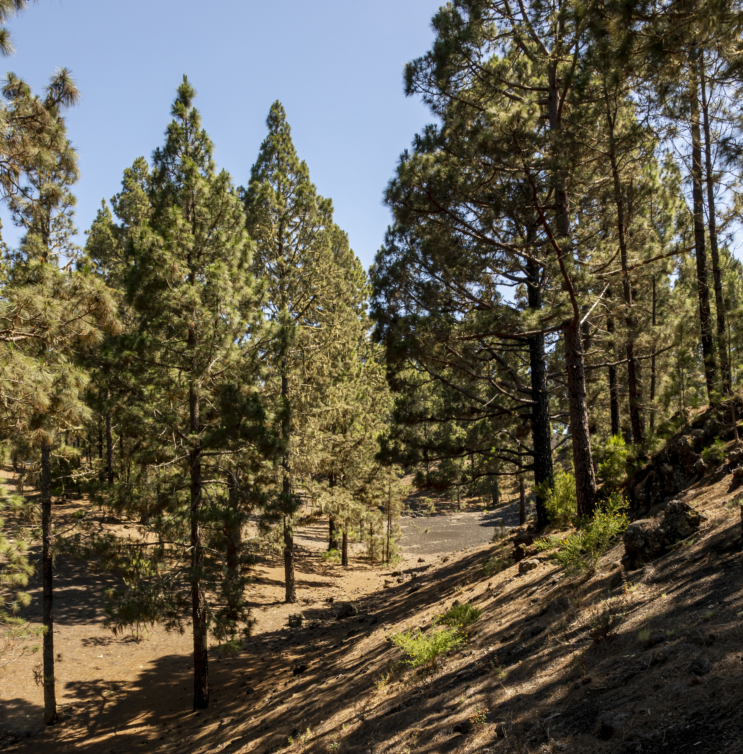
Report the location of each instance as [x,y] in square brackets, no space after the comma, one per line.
[50,700]
[705,316]
[541,429]
[198,601]
[725,367]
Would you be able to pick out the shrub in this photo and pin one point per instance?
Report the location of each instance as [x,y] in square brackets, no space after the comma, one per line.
[580,551]
[714,453]
[604,621]
[613,469]
[460,616]
[331,556]
[561,501]
[423,650]
[498,562]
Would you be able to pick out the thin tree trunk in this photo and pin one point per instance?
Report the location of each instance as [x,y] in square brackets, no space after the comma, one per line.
[652,361]
[47,577]
[100,438]
[705,316]
[725,369]
[198,602]
[613,385]
[496,491]
[634,384]
[344,548]
[109,451]
[585,478]
[286,492]
[541,430]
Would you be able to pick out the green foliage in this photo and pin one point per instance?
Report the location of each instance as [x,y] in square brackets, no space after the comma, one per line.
[581,549]
[424,650]
[715,453]
[15,565]
[331,556]
[460,616]
[613,469]
[560,500]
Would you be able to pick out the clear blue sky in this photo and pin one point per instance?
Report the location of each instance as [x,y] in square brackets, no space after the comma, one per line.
[336,65]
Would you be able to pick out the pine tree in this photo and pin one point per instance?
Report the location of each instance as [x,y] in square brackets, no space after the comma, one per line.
[293,230]
[188,284]
[66,308]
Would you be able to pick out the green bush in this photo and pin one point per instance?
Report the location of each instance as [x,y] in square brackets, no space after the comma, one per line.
[580,551]
[423,650]
[714,453]
[561,501]
[331,556]
[613,469]
[460,616]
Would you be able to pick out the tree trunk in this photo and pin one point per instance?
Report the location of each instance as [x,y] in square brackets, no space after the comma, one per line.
[634,385]
[332,534]
[496,492]
[50,700]
[585,478]
[286,494]
[291,588]
[344,548]
[705,316]
[109,451]
[613,385]
[198,601]
[541,429]
[652,362]
[725,368]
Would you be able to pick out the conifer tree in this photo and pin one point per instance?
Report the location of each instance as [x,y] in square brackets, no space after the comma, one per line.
[188,284]
[70,305]
[293,231]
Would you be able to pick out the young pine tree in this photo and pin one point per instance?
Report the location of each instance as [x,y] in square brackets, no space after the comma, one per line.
[292,228]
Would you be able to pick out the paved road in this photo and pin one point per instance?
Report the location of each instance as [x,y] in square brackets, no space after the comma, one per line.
[436,535]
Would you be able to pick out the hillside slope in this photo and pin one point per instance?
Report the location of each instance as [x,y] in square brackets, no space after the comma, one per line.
[532,677]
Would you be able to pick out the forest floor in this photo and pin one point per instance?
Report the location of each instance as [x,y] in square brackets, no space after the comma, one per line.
[530,679]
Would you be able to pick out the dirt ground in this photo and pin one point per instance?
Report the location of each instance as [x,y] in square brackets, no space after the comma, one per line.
[120,686]
[529,680]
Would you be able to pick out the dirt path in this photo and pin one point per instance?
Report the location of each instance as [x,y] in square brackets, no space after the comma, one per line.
[437,535]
